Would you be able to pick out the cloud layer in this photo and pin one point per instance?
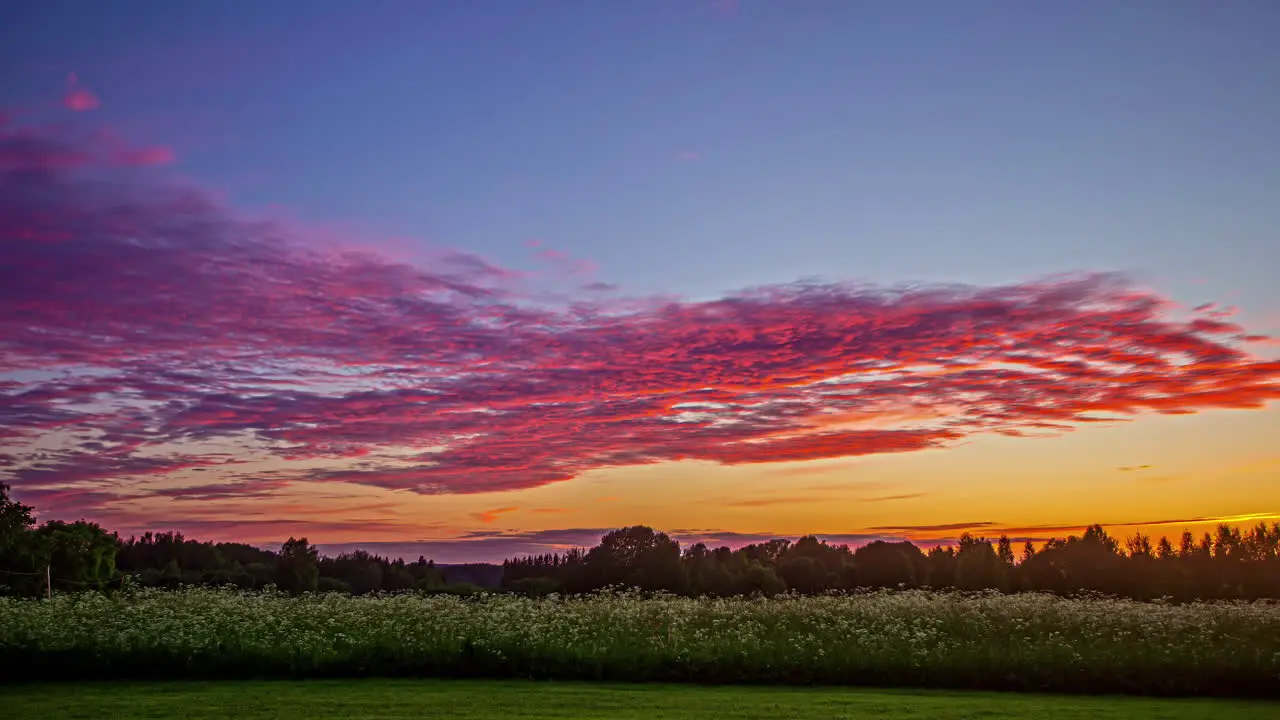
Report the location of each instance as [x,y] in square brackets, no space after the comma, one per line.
[142,323]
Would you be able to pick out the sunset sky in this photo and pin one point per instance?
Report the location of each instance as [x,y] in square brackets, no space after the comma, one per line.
[478,279]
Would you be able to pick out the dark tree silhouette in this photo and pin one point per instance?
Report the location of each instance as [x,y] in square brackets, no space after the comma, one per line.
[1227,563]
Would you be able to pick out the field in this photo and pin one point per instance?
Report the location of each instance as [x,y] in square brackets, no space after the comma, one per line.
[516,700]
[912,638]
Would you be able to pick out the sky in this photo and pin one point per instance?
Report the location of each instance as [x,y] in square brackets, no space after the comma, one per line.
[474,280]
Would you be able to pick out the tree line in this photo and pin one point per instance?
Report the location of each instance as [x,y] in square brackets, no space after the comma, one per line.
[61,556]
[1225,564]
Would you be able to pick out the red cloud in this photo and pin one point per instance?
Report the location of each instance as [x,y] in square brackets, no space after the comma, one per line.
[78,96]
[176,321]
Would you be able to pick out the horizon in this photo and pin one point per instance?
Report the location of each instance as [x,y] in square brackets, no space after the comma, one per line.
[497,548]
[492,282]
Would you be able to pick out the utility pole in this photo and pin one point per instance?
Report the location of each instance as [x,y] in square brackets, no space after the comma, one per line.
[48,582]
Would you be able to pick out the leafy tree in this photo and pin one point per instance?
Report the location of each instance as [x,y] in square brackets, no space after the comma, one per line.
[359,571]
[21,563]
[15,519]
[636,557]
[759,579]
[81,554]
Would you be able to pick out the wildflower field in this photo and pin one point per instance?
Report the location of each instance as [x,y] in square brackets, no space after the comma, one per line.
[886,638]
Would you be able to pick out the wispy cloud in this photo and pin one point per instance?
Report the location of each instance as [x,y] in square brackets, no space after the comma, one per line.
[769,501]
[935,528]
[794,499]
[490,516]
[149,320]
[891,498]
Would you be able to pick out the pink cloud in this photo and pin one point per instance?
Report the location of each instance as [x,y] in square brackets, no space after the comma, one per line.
[78,97]
[180,321]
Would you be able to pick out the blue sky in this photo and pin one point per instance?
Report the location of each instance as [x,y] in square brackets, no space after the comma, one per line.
[983,141]
[690,148]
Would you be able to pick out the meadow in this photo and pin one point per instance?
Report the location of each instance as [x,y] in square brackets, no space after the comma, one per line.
[886,638]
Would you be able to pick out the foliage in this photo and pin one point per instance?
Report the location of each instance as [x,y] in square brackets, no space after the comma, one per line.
[171,559]
[83,552]
[1028,641]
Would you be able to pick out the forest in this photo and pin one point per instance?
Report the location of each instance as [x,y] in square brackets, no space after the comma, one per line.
[56,556]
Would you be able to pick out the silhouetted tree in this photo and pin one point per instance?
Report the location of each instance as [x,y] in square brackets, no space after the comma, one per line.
[1004,551]
[1028,552]
[977,565]
[297,570]
[888,564]
[636,557]
[940,567]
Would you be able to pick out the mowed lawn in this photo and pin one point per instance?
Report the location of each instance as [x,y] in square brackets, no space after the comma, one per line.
[508,700]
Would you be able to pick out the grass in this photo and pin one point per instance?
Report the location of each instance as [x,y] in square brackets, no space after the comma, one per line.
[517,700]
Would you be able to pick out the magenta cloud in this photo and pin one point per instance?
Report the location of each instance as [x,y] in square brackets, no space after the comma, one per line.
[142,322]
